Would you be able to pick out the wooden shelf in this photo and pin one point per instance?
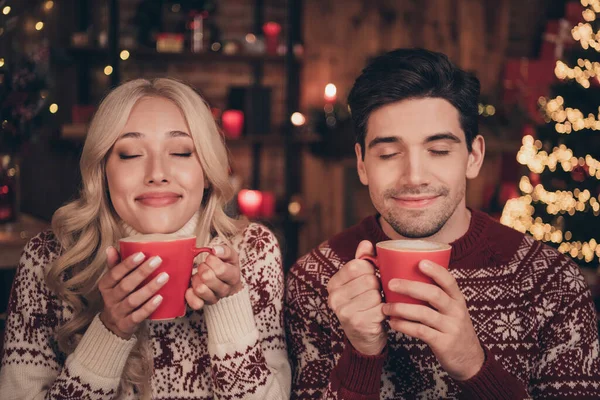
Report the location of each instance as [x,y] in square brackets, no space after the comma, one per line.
[145,54]
[77,132]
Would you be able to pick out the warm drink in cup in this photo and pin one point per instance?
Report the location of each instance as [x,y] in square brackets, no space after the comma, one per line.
[400,259]
[177,256]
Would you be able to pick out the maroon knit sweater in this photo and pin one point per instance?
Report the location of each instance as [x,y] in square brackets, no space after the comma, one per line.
[529,304]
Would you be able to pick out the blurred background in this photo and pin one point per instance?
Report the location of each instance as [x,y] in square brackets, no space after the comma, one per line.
[277,73]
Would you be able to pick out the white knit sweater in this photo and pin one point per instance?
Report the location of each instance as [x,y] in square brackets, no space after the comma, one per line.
[233,349]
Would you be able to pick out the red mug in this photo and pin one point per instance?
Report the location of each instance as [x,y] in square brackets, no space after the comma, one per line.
[399,259]
[177,256]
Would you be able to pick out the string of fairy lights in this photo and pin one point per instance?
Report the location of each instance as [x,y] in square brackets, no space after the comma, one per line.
[37,25]
[519,212]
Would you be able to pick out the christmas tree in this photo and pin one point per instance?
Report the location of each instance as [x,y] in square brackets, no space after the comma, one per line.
[560,193]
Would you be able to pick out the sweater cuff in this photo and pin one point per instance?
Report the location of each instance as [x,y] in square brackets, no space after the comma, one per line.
[102,352]
[231,319]
[359,373]
[491,382]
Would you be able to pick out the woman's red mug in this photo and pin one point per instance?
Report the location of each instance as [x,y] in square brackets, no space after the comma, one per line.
[400,259]
[177,256]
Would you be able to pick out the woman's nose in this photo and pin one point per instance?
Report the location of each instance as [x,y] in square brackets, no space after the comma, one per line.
[156,171]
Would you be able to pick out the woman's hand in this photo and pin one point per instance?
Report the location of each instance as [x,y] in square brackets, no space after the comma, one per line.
[124,306]
[217,277]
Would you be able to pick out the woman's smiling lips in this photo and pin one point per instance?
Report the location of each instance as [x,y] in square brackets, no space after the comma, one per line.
[158,199]
[415,201]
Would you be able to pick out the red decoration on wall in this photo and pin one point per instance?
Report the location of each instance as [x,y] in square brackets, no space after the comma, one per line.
[250,202]
[272,31]
[233,123]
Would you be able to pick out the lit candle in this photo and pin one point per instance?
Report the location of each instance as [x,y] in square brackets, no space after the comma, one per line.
[233,123]
[271,31]
[250,202]
[330,93]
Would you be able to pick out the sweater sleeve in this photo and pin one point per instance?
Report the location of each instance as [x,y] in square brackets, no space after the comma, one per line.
[317,375]
[246,338]
[32,365]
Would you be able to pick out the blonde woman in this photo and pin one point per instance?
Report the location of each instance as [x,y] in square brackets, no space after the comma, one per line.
[153,162]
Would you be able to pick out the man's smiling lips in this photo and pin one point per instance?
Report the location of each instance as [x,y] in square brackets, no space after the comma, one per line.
[415,201]
[158,199]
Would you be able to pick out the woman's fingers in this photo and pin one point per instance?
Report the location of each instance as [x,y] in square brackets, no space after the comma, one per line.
[139,297]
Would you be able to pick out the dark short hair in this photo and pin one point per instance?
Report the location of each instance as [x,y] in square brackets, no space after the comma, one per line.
[412,74]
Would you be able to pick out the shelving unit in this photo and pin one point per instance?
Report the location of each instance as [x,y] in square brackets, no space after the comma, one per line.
[286,137]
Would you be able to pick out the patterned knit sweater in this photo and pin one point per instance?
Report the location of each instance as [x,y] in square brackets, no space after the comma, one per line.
[233,349]
[529,304]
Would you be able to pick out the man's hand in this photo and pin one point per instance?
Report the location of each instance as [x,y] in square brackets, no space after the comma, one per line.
[446,328]
[355,298]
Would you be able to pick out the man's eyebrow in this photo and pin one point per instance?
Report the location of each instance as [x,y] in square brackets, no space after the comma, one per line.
[384,139]
[442,136]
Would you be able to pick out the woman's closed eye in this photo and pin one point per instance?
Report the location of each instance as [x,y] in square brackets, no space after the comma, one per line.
[124,156]
[182,154]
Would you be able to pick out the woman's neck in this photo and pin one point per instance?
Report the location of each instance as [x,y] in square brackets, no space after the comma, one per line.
[189,229]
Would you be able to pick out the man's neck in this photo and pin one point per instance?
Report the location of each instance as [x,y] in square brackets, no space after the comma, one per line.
[455,228]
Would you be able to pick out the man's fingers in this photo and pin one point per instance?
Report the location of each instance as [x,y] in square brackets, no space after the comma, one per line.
[443,278]
[417,313]
[354,289]
[426,292]
[352,270]
[364,248]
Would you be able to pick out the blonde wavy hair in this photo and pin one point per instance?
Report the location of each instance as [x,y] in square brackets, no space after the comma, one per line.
[86,226]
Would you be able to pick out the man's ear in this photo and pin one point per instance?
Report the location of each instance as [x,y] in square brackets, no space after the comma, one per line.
[360,165]
[476,157]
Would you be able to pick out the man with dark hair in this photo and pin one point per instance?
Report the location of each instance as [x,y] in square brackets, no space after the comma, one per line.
[511,318]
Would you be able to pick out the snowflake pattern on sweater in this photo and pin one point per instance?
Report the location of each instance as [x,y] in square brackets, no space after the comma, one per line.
[234,349]
[529,304]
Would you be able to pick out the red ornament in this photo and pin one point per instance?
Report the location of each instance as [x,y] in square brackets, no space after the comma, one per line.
[579,173]
[250,202]
[267,209]
[534,178]
[271,31]
[233,123]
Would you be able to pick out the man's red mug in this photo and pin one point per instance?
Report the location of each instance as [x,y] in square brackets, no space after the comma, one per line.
[400,259]
[177,256]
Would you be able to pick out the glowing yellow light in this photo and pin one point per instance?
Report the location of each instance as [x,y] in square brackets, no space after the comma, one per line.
[108,70]
[39,26]
[298,119]
[251,38]
[480,108]
[294,208]
[124,55]
[490,109]
[1,62]
[53,108]
[6,10]
[48,5]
